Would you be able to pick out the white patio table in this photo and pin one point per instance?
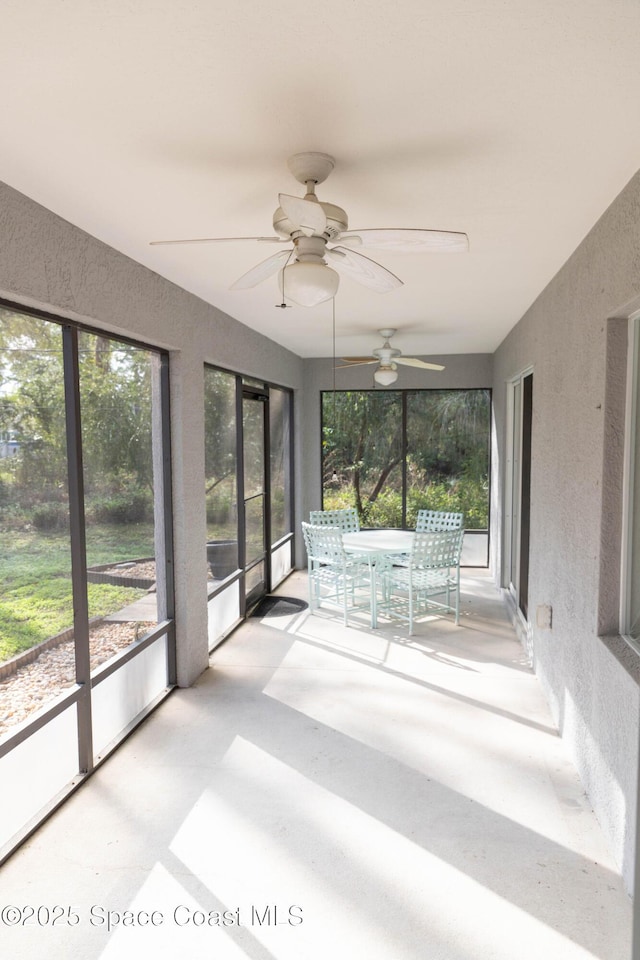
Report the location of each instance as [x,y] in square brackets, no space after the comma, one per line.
[382,541]
[377,544]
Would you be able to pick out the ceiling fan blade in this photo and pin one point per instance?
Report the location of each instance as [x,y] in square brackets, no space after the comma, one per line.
[355,362]
[157,243]
[262,270]
[308,215]
[411,241]
[361,268]
[350,240]
[414,362]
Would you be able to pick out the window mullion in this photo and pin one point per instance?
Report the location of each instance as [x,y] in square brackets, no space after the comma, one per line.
[78,545]
[404,458]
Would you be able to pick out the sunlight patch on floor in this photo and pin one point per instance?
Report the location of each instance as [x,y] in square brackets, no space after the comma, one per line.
[357,881]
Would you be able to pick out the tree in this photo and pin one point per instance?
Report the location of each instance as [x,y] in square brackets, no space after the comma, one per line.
[32,390]
[362,444]
[445,452]
[115,402]
[220,453]
[115,399]
[448,432]
[220,427]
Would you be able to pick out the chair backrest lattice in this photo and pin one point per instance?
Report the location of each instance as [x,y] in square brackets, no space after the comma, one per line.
[438,520]
[437,548]
[324,544]
[345,519]
[307,537]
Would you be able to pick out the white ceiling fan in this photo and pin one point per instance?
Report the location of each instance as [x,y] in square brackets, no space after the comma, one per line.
[317,232]
[387,358]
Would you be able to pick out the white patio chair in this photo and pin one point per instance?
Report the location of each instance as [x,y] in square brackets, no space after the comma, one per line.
[345,519]
[432,520]
[348,578]
[432,570]
[438,520]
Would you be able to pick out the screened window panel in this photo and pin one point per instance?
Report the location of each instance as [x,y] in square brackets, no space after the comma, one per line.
[253,445]
[118,460]
[35,546]
[280,463]
[448,454]
[362,454]
[254,518]
[221,463]
[62,617]
[391,453]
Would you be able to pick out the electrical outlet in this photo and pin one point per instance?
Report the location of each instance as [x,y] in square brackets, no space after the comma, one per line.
[544,615]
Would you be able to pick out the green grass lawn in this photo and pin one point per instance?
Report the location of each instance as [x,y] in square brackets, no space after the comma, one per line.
[35,580]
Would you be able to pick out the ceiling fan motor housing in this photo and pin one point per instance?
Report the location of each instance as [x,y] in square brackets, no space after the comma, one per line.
[337,221]
[385,354]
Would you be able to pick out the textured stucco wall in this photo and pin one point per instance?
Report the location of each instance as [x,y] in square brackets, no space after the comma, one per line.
[566,337]
[47,263]
[461,370]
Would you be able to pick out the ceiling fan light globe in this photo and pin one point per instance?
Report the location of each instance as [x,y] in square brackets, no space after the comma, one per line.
[385,377]
[308,283]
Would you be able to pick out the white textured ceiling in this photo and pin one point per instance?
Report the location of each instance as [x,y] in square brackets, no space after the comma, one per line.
[513,120]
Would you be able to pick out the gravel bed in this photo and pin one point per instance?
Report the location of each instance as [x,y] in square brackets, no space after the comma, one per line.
[34,685]
[137,571]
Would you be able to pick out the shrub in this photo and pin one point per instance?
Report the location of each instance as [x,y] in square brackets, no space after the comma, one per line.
[50,516]
[386,511]
[133,506]
[218,509]
[462,495]
[338,498]
[465,496]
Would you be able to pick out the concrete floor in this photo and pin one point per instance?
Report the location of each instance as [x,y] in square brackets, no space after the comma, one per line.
[402,798]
